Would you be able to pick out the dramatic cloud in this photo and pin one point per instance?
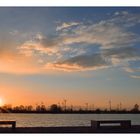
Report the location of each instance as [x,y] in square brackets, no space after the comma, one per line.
[106,58]
[104,34]
[69,48]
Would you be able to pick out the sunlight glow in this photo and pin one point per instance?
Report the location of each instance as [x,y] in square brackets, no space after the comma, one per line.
[1,102]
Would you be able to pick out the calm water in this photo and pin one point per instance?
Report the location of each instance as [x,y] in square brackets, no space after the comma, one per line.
[29,120]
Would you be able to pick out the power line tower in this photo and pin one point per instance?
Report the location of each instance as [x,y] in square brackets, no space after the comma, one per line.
[86,106]
[65,104]
[120,106]
[92,106]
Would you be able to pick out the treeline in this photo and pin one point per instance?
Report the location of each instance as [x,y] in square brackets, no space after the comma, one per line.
[54,108]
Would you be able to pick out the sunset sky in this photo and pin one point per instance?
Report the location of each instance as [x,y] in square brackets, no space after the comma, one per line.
[84,55]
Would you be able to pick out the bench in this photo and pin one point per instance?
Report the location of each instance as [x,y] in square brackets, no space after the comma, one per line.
[13,123]
[123,123]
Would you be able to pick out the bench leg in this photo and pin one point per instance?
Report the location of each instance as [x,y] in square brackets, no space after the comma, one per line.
[14,125]
[95,124]
[126,125]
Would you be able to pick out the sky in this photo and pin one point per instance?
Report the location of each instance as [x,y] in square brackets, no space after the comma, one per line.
[81,54]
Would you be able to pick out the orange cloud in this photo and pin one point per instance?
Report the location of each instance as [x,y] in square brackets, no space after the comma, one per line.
[28,49]
[71,67]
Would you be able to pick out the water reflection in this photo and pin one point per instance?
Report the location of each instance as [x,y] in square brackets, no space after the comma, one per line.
[43,120]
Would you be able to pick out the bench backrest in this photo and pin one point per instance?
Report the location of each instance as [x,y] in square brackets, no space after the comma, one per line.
[114,121]
[7,122]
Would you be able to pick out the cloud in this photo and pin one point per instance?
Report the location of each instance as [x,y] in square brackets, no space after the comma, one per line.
[66,25]
[122,56]
[131,70]
[105,59]
[47,41]
[29,48]
[80,63]
[50,46]
[129,53]
[134,76]
[106,33]
[103,33]
[112,37]
[127,69]
[122,13]
[126,19]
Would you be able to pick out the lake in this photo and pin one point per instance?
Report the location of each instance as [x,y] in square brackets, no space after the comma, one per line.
[44,120]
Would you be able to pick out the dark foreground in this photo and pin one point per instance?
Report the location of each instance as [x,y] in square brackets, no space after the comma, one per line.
[77,129]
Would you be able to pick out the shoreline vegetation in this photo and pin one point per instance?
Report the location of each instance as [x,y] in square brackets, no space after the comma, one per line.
[57,109]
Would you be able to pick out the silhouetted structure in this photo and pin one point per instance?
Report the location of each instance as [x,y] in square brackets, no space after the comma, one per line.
[65,104]
[54,108]
[135,108]
[86,106]
[110,105]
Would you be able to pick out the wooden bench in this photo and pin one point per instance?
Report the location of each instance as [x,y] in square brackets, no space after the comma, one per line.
[13,123]
[123,123]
